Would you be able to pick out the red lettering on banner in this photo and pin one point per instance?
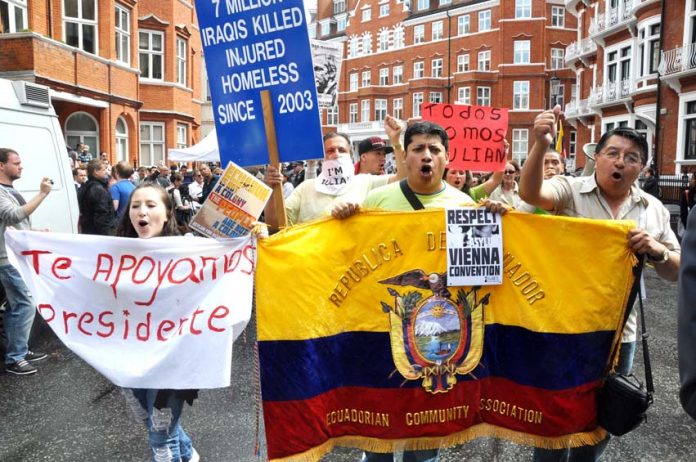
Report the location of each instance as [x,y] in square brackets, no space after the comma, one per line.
[121,268]
[214,315]
[109,325]
[67,315]
[137,269]
[35,257]
[61,263]
[146,325]
[46,306]
[476,134]
[232,261]
[182,321]
[249,249]
[160,278]
[126,323]
[191,274]
[82,320]
[195,331]
[98,269]
[204,264]
[170,327]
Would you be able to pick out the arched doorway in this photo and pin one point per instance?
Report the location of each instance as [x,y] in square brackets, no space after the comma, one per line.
[82,128]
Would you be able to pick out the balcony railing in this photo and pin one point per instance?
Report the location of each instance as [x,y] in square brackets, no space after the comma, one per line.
[678,60]
[578,108]
[612,91]
[584,47]
[613,17]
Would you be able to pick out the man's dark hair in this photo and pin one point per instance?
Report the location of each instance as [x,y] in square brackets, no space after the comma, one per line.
[426,128]
[330,135]
[630,134]
[123,169]
[5,154]
[93,166]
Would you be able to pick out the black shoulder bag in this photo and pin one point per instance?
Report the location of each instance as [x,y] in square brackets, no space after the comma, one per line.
[623,400]
[410,195]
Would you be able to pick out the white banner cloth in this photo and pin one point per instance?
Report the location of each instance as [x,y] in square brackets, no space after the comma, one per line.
[147,313]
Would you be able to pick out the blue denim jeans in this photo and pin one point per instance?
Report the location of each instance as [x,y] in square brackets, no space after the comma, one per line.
[425,455]
[168,441]
[19,314]
[594,452]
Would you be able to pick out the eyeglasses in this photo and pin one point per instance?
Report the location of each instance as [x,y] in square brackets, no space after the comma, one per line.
[630,158]
[510,172]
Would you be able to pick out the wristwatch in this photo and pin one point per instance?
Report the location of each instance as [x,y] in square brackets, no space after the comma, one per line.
[661,259]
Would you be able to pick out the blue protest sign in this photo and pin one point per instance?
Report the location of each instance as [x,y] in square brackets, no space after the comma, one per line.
[255,45]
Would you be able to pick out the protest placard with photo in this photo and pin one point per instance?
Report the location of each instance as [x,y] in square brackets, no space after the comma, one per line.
[327,70]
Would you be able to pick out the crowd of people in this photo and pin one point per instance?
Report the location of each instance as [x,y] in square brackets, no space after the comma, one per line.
[159,201]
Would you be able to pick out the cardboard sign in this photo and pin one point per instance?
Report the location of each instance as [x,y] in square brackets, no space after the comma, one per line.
[474,247]
[476,134]
[250,46]
[233,205]
[146,313]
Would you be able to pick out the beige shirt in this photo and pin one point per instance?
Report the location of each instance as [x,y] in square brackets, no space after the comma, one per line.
[580,197]
[306,204]
[511,198]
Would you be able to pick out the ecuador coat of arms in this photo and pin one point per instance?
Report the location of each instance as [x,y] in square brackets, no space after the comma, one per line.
[434,337]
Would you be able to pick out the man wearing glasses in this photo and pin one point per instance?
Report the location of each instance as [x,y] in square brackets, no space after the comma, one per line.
[610,194]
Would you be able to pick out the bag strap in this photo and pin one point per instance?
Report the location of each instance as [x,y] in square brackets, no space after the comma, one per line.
[410,195]
[646,353]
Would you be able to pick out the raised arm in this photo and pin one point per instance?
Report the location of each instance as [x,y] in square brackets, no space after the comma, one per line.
[532,188]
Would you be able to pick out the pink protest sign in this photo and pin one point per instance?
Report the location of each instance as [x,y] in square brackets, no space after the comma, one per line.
[476,134]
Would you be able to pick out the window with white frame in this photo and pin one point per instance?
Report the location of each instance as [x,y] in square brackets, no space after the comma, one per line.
[557,16]
[13,16]
[520,144]
[325,27]
[435,97]
[353,46]
[690,131]
[522,51]
[419,33]
[445,2]
[418,70]
[463,63]
[339,6]
[463,26]
[312,28]
[353,113]
[398,74]
[151,55]
[365,110]
[151,143]
[341,23]
[484,60]
[417,101]
[523,9]
[649,49]
[484,20]
[353,79]
[398,108]
[557,58]
[367,43]
[557,90]
[380,110]
[181,136]
[398,37]
[366,79]
[437,30]
[80,24]
[332,115]
[181,54]
[366,14]
[464,95]
[121,139]
[617,69]
[384,76]
[483,96]
[520,94]
[423,5]
[123,36]
[383,40]
[690,33]
[436,67]
[384,10]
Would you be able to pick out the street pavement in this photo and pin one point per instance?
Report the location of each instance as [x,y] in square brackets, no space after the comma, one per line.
[68,412]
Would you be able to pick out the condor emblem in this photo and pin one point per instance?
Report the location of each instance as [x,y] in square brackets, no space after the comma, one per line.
[434,338]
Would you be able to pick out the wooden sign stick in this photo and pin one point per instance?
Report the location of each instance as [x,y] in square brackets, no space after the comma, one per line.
[272,142]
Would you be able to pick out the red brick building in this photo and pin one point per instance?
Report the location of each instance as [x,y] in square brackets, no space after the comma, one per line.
[125,76]
[399,53]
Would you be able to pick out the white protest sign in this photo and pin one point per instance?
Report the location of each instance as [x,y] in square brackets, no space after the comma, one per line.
[147,313]
[474,247]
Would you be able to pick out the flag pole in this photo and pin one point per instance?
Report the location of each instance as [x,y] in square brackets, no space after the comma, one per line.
[272,142]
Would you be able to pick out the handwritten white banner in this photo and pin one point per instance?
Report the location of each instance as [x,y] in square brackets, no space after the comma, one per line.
[146,313]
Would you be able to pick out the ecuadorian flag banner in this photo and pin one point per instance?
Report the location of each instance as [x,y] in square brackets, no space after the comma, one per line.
[362,344]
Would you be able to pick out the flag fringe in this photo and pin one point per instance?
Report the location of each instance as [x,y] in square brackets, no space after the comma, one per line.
[471,433]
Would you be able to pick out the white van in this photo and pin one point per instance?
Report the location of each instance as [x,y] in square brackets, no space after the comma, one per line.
[29,125]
